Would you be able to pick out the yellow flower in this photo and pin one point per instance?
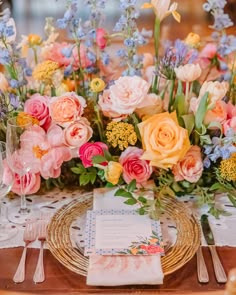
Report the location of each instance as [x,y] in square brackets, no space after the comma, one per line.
[228,168]
[162,9]
[97,85]
[164,141]
[113,171]
[121,134]
[25,119]
[45,70]
[193,40]
[34,39]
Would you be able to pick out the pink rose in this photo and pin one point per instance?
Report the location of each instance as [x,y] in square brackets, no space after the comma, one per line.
[190,167]
[127,94]
[78,133]
[231,118]
[134,167]
[88,150]
[101,39]
[106,106]
[217,114]
[54,53]
[67,107]
[153,249]
[31,183]
[37,106]
[52,161]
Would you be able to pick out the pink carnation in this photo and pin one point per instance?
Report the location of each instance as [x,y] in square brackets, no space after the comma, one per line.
[134,167]
[88,150]
[231,118]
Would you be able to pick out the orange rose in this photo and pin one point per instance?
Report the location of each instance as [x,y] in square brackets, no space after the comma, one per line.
[67,108]
[191,167]
[164,141]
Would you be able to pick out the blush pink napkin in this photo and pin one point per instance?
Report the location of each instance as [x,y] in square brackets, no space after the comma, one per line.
[121,270]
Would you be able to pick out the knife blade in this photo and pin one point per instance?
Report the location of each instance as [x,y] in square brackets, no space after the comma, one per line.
[209,237]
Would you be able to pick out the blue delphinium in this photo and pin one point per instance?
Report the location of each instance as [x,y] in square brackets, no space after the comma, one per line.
[219,148]
[127,28]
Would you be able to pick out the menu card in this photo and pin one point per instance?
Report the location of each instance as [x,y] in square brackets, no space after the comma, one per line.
[122,232]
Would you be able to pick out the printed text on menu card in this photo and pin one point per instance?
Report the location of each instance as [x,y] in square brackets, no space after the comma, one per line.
[122,232]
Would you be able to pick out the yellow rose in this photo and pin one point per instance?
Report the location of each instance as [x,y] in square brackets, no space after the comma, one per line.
[164,141]
[113,172]
[193,40]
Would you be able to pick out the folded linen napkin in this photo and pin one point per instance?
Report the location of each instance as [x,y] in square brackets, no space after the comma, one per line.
[116,270]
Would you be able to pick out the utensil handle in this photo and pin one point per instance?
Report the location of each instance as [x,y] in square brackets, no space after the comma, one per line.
[218,267]
[19,276]
[202,272]
[39,275]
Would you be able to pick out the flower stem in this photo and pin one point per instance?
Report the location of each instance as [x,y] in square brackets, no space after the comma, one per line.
[35,55]
[99,122]
[157,33]
[172,86]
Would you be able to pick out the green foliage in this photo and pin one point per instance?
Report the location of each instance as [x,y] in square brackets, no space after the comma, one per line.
[86,175]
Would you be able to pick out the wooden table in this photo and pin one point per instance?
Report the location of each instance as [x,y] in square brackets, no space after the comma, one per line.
[59,280]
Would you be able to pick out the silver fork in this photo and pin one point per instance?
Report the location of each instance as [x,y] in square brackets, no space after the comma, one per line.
[30,235]
[39,275]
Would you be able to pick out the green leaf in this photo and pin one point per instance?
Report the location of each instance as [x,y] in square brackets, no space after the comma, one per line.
[217,186]
[142,200]
[76,170]
[232,199]
[98,159]
[205,139]
[131,186]
[107,155]
[108,184]
[131,201]
[180,105]
[123,193]
[93,177]
[188,122]
[201,111]
[84,179]
[142,211]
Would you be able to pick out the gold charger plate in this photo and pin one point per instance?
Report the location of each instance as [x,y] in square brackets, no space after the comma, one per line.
[60,244]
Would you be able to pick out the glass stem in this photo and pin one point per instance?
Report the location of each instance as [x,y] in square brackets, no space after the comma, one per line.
[3,215]
[23,206]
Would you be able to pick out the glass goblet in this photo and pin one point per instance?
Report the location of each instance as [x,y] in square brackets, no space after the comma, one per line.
[17,154]
[6,182]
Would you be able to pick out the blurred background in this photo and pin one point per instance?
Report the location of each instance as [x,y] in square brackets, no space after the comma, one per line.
[30,16]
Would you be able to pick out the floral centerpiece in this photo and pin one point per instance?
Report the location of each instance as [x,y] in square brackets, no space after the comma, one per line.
[103,120]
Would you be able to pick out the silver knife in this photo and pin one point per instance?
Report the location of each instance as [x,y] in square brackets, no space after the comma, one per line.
[218,267]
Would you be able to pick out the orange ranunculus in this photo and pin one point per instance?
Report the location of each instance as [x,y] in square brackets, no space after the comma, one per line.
[164,141]
[113,171]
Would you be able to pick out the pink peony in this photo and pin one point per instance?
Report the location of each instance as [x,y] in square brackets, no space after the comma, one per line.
[51,162]
[31,183]
[78,133]
[190,167]
[101,39]
[67,108]
[88,150]
[54,53]
[134,167]
[37,106]
[41,154]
